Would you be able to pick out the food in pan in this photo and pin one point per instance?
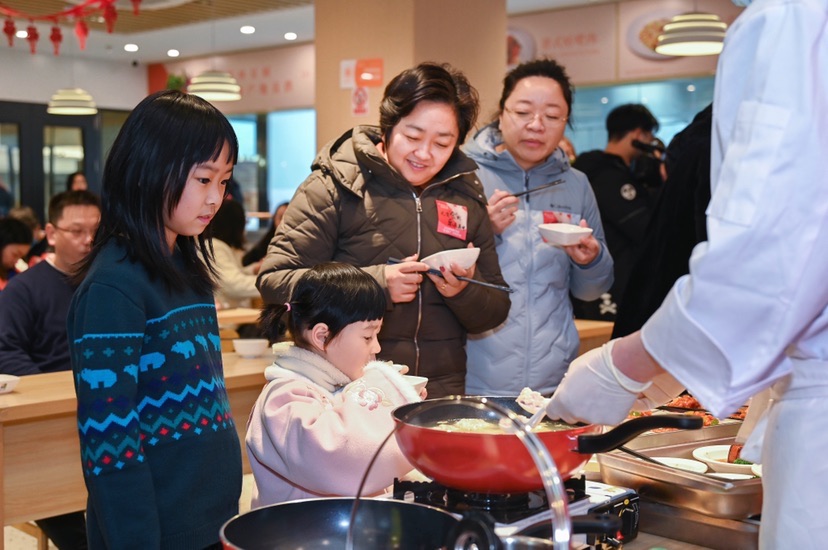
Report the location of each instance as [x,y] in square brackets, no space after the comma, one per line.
[483,426]
[686,401]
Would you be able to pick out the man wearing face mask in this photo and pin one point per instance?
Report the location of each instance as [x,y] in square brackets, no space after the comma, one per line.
[624,201]
[753,312]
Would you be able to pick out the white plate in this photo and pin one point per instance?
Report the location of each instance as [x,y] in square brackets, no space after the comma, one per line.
[563,234]
[731,477]
[8,382]
[464,257]
[683,464]
[639,24]
[715,456]
[756,469]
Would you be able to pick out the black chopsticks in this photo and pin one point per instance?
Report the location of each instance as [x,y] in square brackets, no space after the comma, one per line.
[467,279]
[538,188]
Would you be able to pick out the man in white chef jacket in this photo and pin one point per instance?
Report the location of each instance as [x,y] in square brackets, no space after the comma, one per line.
[753,312]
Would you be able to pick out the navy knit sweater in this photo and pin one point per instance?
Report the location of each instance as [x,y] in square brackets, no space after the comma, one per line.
[160,454]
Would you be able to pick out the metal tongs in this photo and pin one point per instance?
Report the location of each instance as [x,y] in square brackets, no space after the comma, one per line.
[538,188]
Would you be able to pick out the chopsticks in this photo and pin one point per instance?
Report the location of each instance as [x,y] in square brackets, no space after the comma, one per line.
[544,186]
[467,279]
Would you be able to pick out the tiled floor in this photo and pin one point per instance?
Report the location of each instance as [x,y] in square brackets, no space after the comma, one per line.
[17,540]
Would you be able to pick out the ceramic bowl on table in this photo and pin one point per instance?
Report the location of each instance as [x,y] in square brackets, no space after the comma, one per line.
[250,347]
[464,257]
[563,234]
[8,382]
[715,456]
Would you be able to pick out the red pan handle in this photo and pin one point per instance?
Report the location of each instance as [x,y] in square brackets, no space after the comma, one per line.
[601,443]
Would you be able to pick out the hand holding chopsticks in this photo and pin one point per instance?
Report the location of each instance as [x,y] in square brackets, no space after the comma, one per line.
[438,273]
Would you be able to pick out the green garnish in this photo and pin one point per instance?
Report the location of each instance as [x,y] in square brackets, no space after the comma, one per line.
[742,461]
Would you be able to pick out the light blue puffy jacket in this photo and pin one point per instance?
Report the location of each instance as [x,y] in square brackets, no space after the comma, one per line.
[538,340]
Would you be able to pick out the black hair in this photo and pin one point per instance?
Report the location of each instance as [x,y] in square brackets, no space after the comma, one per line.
[70,198]
[162,139]
[259,250]
[332,293]
[13,231]
[70,179]
[547,68]
[429,82]
[228,224]
[628,117]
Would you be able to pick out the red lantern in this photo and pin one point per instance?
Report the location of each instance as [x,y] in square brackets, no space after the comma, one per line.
[110,15]
[56,37]
[81,31]
[32,36]
[9,29]
[136,4]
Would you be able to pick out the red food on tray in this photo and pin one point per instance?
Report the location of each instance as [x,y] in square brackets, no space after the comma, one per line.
[684,402]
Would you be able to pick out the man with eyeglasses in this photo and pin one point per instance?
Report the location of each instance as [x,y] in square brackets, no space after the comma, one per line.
[623,199]
[33,309]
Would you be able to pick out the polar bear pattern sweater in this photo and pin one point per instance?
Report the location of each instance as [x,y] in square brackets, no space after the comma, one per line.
[160,453]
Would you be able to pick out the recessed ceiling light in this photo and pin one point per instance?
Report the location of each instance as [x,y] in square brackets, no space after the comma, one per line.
[173,53]
[604,100]
[290,36]
[130,47]
[691,88]
[21,34]
[247,29]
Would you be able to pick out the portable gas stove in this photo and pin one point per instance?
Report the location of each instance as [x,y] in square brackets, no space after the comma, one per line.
[529,513]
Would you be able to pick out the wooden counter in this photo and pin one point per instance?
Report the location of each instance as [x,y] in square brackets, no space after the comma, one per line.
[592,333]
[39,448]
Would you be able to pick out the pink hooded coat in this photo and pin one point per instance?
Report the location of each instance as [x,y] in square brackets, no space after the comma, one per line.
[313,431]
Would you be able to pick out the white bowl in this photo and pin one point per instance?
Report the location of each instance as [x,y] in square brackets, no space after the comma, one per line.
[464,257]
[8,382]
[756,469]
[563,234]
[250,347]
[683,464]
[715,456]
[419,382]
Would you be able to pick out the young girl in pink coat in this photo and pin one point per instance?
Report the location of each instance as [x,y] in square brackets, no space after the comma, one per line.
[327,405]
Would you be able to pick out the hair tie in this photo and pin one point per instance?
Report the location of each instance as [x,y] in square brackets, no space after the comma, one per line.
[287,305]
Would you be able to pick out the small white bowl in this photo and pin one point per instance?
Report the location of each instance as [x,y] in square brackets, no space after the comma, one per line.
[563,234]
[8,382]
[250,347]
[419,382]
[683,464]
[715,456]
[464,257]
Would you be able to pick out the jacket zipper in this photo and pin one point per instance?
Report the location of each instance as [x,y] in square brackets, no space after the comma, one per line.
[528,293]
[419,209]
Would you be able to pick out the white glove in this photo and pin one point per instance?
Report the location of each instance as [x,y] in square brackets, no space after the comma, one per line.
[594,391]
[663,389]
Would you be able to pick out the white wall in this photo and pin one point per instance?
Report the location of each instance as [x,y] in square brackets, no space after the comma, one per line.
[34,78]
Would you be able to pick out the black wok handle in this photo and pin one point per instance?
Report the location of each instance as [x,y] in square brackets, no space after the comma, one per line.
[601,443]
[589,524]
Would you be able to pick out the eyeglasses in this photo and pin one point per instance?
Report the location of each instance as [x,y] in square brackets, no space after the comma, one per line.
[78,233]
[528,117]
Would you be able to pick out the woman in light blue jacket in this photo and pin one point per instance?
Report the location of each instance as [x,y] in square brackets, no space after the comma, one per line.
[519,152]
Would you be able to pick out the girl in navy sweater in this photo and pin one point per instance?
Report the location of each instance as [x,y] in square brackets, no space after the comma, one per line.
[160,454]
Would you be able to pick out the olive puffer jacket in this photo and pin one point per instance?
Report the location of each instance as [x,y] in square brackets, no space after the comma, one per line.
[355,208]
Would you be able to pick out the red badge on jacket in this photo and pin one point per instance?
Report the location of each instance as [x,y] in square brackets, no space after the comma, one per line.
[452,219]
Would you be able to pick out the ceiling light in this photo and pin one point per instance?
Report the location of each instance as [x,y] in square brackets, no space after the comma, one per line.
[290,36]
[215,86]
[692,34]
[71,101]
[247,29]
[130,47]
[21,34]
[173,53]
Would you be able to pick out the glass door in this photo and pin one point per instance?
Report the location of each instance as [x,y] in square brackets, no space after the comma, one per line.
[9,167]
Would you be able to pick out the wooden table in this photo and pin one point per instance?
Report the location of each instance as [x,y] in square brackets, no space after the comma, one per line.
[592,333]
[237,316]
[39,448]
